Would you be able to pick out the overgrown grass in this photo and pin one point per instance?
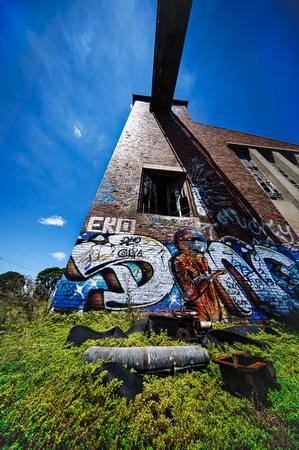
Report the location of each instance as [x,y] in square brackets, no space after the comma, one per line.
[51,399]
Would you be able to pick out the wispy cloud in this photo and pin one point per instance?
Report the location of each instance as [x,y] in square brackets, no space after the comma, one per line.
[77,132]
[186,80]
[60,256]
[57,221]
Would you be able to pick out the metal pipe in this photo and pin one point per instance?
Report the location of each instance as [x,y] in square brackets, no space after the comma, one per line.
[152,359]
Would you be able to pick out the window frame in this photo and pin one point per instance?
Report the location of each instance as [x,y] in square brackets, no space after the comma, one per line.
[173,174]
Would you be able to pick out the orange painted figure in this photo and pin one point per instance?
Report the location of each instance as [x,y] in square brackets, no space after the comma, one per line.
[197,284]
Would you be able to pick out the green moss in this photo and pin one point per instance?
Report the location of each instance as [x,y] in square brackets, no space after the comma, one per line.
[51,399]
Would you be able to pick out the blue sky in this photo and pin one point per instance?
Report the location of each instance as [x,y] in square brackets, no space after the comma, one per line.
[68,72]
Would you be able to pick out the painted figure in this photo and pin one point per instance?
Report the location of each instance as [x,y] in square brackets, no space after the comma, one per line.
[198,285]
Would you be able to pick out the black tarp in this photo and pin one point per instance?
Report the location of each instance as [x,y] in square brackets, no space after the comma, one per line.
[230,335]
[81,333]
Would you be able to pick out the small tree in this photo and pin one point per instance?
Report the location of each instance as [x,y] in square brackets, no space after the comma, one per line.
[27,301]
[18,297]
[11,283]
[11,287]
[48,279]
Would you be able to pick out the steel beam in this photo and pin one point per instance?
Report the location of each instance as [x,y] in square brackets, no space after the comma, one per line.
[171,28]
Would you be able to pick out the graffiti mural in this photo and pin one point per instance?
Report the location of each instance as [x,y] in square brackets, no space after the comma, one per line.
[115,272]
[235,279]
[258,278]
[218,279]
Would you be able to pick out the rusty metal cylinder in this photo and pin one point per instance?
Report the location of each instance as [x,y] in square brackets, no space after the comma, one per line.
[152,359]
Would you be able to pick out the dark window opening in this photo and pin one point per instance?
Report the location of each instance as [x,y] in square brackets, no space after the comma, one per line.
[164,193]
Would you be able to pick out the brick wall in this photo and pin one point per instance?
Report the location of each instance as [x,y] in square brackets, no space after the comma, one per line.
[234,257]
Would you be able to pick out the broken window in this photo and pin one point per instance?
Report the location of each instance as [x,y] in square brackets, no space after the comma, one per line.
[164,193]
[262,180]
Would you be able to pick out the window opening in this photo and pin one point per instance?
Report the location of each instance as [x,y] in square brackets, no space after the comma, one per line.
[165,194]
[149,201]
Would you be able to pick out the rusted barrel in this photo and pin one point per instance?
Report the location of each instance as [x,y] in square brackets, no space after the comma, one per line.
[152,359]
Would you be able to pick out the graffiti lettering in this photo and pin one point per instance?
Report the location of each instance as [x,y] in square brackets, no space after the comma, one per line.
[109,273]
[111,225]
[210,190]
[199,203]
[130,240]
[260,292]
[68,289]
[214,278]
[229,216]
[285,234]
[132,253]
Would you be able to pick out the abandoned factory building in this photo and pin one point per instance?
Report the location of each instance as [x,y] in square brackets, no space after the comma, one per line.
[188,215]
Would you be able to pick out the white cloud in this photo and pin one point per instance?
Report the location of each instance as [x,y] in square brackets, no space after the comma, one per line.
[60,256]
[186,80]
[57,221]
[77,132]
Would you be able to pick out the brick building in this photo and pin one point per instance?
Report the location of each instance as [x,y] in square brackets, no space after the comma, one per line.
[188,215]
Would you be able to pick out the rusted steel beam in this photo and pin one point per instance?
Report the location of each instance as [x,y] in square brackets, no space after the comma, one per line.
[171,28]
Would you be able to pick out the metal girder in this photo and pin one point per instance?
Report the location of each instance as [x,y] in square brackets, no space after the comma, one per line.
[171,28]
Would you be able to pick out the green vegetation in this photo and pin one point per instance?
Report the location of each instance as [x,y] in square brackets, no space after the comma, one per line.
[51,399]
[21,298]
[49,278]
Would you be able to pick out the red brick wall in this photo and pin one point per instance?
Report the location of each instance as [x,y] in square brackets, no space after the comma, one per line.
[124,256]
